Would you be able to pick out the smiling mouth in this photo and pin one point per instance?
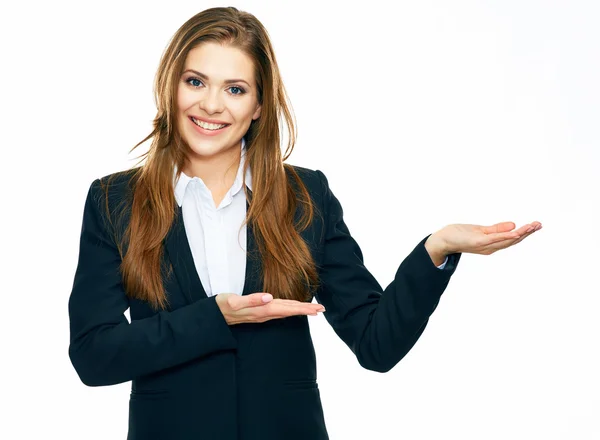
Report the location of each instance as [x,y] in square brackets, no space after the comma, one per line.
[208,126]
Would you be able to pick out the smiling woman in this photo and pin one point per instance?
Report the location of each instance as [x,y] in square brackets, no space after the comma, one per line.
[218,248]
[216,104]
[220,100]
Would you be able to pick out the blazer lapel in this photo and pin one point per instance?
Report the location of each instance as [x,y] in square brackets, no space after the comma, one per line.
[252,279]
[180,255]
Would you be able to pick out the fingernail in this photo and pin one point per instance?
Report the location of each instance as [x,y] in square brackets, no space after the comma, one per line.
[322,309]
[268,297]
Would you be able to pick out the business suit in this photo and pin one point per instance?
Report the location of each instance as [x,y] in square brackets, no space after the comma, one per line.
[195,377]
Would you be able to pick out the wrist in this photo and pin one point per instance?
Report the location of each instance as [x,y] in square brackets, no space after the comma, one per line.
[436,248]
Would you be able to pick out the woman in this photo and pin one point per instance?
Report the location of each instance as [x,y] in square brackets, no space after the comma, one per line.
[217,248]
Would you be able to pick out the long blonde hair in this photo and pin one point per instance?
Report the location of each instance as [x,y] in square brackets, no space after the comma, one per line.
[288,266]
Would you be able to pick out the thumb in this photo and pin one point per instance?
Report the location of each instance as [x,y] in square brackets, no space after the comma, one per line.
[258,299]
[499,227]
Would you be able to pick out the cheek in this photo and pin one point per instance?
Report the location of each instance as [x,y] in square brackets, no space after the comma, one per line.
[243,111]
[185,99]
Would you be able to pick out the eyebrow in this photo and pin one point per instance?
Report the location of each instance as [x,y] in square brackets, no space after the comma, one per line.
[227,81]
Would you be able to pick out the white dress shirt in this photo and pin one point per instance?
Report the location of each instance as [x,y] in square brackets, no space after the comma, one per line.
[212,231]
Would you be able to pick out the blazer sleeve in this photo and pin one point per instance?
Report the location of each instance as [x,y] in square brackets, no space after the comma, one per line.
[104,347]
[379,326]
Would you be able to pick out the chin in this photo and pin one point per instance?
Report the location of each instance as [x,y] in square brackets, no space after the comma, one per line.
[203,147]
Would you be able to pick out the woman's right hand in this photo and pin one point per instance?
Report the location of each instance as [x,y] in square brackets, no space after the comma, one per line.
[261,307]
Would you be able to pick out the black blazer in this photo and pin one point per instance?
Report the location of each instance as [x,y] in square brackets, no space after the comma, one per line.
[194,376]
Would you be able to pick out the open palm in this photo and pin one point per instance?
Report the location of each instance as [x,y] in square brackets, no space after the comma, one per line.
[485,240]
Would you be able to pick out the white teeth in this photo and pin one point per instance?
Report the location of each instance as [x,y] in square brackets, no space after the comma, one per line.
[207,125]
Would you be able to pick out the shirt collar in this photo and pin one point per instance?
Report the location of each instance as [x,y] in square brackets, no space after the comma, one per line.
[181,184]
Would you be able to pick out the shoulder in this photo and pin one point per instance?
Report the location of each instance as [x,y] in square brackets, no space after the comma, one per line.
[117,185]
[119,182]
[113,192]
[315,180]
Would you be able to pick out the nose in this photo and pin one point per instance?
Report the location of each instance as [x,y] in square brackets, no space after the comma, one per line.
[212,101]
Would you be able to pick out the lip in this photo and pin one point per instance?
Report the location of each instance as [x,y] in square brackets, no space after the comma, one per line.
[206,132]
[210,121]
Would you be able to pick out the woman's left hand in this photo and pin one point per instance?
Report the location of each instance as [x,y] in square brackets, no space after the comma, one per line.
[484,240]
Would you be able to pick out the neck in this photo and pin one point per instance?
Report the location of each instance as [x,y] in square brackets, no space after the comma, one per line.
[217,171]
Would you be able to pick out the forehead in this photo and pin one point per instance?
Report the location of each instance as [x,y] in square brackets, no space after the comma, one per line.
[220,62]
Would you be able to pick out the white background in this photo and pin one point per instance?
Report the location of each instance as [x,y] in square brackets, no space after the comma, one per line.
[421,114]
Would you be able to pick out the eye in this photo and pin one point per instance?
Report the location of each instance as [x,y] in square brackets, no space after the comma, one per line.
[239,89]
[194,82]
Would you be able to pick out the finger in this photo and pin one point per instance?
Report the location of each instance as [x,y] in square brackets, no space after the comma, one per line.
[499,237]
[507,227]
[524,236]
[509,235]
[282,309]
[533,226]
[496,246]
[287,301]
[254,300]
[291,302]
[499,228]
[289,314]
[292,305]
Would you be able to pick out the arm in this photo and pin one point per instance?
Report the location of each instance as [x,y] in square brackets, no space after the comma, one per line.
[105,348]
[379,326]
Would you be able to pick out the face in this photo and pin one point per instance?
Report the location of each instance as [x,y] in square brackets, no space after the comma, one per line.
[216,99]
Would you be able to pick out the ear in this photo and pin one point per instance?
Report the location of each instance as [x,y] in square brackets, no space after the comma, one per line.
[256,114]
